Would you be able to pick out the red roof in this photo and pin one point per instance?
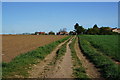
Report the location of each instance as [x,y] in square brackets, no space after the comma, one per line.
[118,29]
[41,32]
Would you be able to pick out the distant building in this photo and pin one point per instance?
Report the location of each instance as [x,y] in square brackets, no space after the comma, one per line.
[39,33]
[72,33]
[116,30]
[62,33]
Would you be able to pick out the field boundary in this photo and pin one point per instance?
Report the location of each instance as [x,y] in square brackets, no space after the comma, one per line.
[14,45]
[44,68]
[20,65]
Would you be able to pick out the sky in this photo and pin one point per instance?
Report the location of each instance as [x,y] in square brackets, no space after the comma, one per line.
[27,17]
[60,0]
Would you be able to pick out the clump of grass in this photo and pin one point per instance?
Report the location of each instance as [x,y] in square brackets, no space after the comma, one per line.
[61,51]
[108,68]
[78,70]
[20,64]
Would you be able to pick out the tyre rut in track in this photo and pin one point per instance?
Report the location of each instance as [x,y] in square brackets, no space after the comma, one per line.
[63,68]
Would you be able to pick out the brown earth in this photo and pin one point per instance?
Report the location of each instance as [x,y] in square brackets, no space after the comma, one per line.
[44,68]
[48,69]
[13,45]
[63,68]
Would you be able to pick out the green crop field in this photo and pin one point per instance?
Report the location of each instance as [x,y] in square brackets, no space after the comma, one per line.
[96,47]
[107,44]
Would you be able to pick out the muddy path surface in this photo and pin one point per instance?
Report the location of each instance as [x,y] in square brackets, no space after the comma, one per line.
[91,70]
[41,69]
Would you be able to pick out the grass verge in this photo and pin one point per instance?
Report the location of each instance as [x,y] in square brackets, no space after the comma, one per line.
[61,51]
[20,65]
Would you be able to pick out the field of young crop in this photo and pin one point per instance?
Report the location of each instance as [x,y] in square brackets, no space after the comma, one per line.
[107,44]
[13,45]
[96,47]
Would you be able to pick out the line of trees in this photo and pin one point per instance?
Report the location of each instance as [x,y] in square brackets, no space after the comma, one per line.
[94,31]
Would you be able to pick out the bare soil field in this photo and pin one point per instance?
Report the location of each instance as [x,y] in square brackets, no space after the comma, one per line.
[13,45]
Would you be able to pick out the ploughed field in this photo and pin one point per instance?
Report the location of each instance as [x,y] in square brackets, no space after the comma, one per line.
[13,45]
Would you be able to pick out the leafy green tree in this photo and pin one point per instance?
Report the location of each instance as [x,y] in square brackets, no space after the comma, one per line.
[79,29]
[95,26]
[51,33]
[90,31]
[72,33]
[105,30]
[96,29]
[76,26]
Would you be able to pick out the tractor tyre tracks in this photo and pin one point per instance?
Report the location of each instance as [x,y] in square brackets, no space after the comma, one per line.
[63,67]
[43,69]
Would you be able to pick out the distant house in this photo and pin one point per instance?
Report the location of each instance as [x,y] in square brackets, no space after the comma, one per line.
[62,33]
[116,30]
[39,33]
[72,33]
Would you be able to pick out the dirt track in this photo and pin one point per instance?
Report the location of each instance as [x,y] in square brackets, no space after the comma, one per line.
[13,45]
[41,70]
[64,68]
[91,70]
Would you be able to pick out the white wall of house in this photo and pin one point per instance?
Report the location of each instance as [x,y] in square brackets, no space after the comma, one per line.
[116,30]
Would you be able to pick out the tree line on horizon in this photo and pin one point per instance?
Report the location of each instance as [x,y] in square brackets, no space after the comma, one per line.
[95,30]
